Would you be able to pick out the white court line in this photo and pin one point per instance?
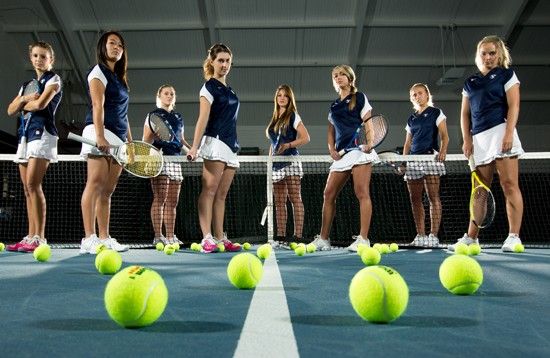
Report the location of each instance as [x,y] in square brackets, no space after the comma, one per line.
[424,251]
[267,330]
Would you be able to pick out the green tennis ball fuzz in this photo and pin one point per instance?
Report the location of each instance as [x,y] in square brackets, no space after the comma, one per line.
[518,248]
[377,246]
[474,249]
[384,249]
[108,262]
[370,256]
[394,247]
[100,248]
[176,246]
[2,246]
[135,297]
[264,251]
[378,294]
[300,250]
[293,245]
[221,247]
[461,249]
[247,246]
[169,249]
[460,274]
[195,247]
[42,253]
[311,248]
[159,246]
[360,248]
[244,271]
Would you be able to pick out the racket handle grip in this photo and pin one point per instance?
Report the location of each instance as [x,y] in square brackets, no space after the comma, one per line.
[81,139]
[471,163]
[342,152]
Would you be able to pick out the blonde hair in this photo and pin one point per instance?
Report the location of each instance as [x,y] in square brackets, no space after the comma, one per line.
[425,86]
[207,67]
[159,91]
[281,123]
[44,45]
[348,72]
[504,58]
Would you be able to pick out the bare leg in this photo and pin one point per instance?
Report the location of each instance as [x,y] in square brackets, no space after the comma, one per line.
[508,173]
[170,207]
[160,194]
[361,186]
[432,188]
[212,172]
[218,209]
[36,170]
[335,183]
[416,188]
[280,193]
[485,174]
[31,224]
[295,195]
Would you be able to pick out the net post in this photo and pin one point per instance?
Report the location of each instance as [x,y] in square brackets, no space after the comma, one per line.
[269,199]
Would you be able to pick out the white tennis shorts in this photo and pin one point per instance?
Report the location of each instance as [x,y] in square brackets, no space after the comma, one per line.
[214,149]
[487,145]
[45,148]
[353,158]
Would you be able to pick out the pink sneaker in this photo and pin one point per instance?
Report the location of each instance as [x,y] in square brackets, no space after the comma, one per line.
[229,246]
[208,244]
[15,247]
[31,244]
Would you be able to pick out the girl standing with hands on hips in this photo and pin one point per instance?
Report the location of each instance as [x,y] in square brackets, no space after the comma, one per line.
[216,140]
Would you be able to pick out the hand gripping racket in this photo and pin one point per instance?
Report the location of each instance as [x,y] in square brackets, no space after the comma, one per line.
[137,158]
[360,138]
[482,202]
[31,87]
[390,159]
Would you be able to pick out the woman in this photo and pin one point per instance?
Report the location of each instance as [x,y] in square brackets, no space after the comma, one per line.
[345,116]
[216,134]
[37,110]
[287,132]
[108,115]
[166,186]
[424,127]
[488,118]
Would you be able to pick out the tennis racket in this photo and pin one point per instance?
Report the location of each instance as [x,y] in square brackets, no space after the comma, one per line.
[482,202]
[160,127]
[360,138]
[137,158]
[273,151]
[390,159]
[32,87]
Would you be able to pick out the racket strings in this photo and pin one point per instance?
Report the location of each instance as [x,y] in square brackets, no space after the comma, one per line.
[141,159]
[482,207]
[159,127]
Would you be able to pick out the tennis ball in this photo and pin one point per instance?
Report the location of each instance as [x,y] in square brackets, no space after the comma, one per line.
[394,247]
[460,274]
[300,250]
[169,249]
[310,248]
[384,249]
[100,248]
[135,297]
[264,251]
[461,249]
[474,249]
[221,247]
[378,294]
[370,256]
[159,246]
[42,253]
[108,262]
[2,247]
[377,246]
[247,246]
[195,247]
[293,245]
[244,271]
[360,248]
[518,248]
[176,246]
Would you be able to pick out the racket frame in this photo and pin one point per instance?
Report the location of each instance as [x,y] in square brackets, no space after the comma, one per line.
[363,123]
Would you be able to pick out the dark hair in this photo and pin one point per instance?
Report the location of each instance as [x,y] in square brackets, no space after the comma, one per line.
[213,52]
[101,56]
[280,124]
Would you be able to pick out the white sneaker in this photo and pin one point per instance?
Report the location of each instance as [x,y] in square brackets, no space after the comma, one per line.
[511,241]
[432,241]
[88,245]
[112,244]
[176,240]
[358,240]
[465,240]
[419,240]
[321,244]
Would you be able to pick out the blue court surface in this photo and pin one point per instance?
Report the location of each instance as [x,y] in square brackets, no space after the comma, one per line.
[300,308]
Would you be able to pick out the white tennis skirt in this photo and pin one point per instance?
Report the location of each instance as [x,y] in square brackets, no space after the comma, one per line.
[294,169]
[89,133]
[172,170]
[487,145]
[353,158]
[214,149]
[44,148]
[417,170]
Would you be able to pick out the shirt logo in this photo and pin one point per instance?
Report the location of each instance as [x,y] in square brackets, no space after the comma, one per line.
[492,76]
[348,100]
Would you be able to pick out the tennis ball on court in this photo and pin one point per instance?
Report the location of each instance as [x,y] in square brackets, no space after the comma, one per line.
[300,250]
[264,251]
[244,271]
[221,247]
[100,248]
[176,246]
[42,253]
[460,274]
[378,294]
[108,262]
[293,245]
[169,249]
[518,248]
[474,249]
[159,246]
[2,246]
[310,248]
[247,246]
[377,246]
[360,248]
[370,256]
[394,247]
[461,249]
[135,297]
[384,249]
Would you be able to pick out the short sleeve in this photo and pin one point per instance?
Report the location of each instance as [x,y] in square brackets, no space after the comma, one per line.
[206,94]
[440,118]
[297,120]
[511,82]
[54,81]
[97,73]
[408,129]
[366,107]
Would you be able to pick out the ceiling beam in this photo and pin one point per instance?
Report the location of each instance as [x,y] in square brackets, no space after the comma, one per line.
[513,34]
[357,32]
[511,17]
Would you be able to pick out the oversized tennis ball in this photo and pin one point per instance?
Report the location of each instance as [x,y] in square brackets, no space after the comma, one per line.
[360,248]
[108,262]
[221,247]
[2,247]
[244,271]
[42,253]
[247,246]
[169,249]
[394,247]
[293,245]
[384,249]
[461,249]
[460,274]
[159,246]
[518,248]
[135,297]
[474,249]
[370,256]
[300,250]
[100,248]
[377,246]
[310,248]
[378,294]
[264,251]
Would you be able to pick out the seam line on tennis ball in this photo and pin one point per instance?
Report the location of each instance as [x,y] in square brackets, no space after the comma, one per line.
[384,300]
[145,301]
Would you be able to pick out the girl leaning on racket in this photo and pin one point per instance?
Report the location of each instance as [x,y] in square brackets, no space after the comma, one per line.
[345,116]
[108,91]
[39,110]
[166,186]
[489,114]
